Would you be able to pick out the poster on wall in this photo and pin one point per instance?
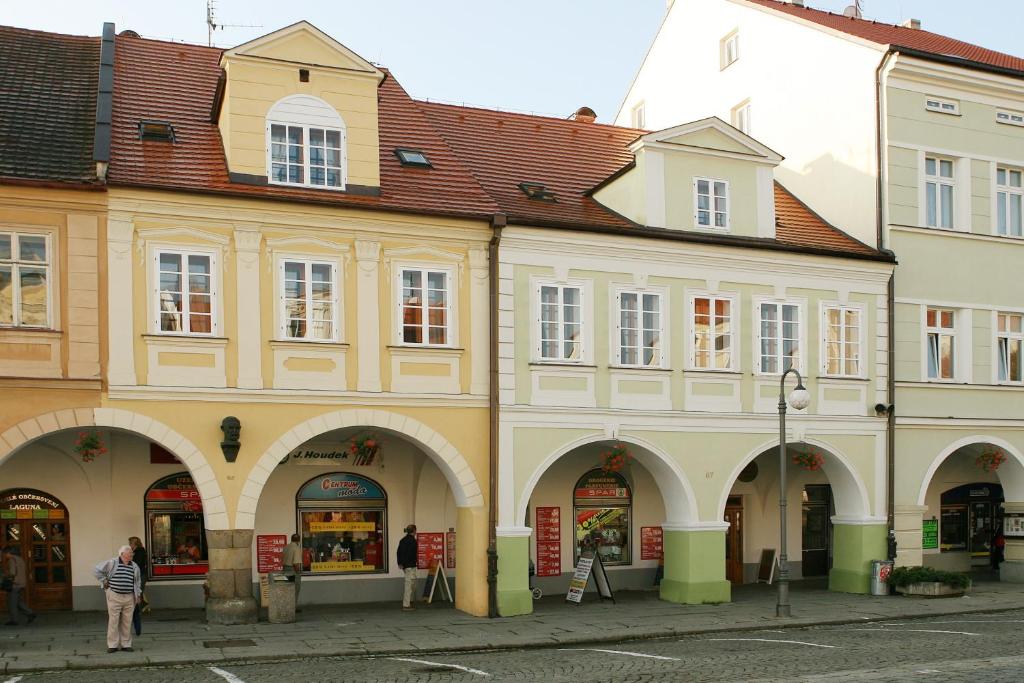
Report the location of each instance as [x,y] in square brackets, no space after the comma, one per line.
[929,534]
[549,541]
[268,552]
[449,549]
[1013,524]
[651,543]
[429,549]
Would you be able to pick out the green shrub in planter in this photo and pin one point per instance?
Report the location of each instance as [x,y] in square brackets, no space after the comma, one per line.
[904,576]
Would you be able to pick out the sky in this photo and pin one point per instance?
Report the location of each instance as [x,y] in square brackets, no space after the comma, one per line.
[541,56]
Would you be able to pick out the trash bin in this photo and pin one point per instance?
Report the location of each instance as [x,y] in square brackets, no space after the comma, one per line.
[880,571]
[280,600]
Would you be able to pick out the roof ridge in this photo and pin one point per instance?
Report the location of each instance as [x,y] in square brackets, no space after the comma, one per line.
[54,34]
[547,117]
[121,36]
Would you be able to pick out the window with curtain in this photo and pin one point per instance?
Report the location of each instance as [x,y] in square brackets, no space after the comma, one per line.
[941,343]
[561,323]
[780,337]
[24,280]
[939,189]
[1008,342]
[425,306]
[842,326]
[711,320]
[185,292]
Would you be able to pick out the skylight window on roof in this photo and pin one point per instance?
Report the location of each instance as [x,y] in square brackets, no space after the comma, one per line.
[157,131]
[538,191]
[412,157]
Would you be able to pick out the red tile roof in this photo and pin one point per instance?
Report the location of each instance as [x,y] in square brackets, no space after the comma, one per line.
[478,156]
[900,36]
[48,84]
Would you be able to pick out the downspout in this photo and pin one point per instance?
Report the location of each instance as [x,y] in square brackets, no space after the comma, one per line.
[881,155]
[498,222]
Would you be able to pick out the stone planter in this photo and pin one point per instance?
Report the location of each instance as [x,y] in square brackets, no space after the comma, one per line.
[932,589]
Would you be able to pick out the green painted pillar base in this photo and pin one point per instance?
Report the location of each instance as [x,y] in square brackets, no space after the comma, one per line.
[853,548]
[695,566]
[514,596]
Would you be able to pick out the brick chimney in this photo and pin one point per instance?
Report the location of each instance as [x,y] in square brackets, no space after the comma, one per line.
[912,23]
[585,114]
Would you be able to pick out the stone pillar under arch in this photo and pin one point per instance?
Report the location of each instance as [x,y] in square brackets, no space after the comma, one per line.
[854,544]
[695,564]
[1012,568]
[230,600]
[514,596]
[908,523]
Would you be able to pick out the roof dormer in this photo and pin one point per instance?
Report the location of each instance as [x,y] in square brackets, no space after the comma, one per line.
[704,176]
[299,109]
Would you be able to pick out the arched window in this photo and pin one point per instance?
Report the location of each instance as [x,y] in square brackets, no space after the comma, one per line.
[175,532]
[306,144]
[602,502]
[343,524]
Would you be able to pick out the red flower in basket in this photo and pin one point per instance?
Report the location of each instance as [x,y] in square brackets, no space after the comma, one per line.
[88,445]
[364,449]
[989,461]
[810,461]
[616,459]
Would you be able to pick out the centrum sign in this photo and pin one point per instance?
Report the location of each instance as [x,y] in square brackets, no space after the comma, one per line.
[340,485]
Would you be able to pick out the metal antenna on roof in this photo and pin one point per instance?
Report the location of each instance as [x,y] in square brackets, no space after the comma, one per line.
[212,25]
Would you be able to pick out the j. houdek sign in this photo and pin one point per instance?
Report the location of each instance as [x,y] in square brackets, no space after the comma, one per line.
[322,456]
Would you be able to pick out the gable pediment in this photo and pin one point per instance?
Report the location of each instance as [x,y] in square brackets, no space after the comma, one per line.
[710,134]
[303,43]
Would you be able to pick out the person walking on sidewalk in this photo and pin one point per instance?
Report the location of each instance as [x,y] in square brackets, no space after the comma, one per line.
[291,563]
[407,554]
[142,562]
[122,583]
[14,571]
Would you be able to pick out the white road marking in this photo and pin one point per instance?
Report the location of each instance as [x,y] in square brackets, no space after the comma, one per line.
[617,652]
[981,621]
[13,680]
[467,669]
[226,675]
[772,640]
[927,671]
[913,630]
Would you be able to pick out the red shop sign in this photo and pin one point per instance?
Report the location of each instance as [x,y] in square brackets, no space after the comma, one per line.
[268,552]
[549,541]
[651,543]
[429,549]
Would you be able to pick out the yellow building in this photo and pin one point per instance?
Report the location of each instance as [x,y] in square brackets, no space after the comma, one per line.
[291,245]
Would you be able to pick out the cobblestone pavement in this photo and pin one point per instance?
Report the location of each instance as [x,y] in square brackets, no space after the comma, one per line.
[75,640]
[972,648]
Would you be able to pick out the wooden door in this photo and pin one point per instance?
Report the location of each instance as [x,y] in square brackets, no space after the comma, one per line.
[45,547]
[734,544]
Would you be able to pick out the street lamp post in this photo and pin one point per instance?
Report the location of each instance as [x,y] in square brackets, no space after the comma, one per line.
[799,399]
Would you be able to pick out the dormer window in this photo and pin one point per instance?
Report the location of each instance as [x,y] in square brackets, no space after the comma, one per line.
[711,203]
[306,144]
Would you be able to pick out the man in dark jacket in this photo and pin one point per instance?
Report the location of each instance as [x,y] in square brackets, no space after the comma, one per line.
[407,553]
[13,567]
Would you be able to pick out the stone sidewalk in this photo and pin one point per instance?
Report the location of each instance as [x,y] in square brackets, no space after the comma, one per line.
[77,639]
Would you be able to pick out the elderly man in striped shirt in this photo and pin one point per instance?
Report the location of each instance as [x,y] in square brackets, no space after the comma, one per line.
[122,582]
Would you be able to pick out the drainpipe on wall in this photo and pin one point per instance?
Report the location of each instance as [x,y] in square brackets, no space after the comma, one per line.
[880,217]
[497,223]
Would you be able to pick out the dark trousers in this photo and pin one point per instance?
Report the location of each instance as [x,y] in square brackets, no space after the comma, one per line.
[137,614]
[16,603]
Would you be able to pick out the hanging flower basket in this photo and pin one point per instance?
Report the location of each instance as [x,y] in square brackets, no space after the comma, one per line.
[810,461]
[616,459]
[88,445]
[364,449]
[989,461]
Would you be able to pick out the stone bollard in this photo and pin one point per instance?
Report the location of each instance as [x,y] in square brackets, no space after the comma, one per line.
[230,577]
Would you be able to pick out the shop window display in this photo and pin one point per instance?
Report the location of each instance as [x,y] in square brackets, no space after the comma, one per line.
[602,504]
[971,516]
[175,533]
[342,519]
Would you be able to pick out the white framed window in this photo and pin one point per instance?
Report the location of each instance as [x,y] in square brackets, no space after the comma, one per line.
[741,117]
[185,292]
[1009,201]
[560,320]
[942,105]
[309,299]
[306,144]
[779,337]
[1009,346]
[842,328]
[729,49]
[425,306]
[1013,118]
[25,280]
[638,116]
[712,323]
[941,342]
[939,189]
[640,329]
[711,203]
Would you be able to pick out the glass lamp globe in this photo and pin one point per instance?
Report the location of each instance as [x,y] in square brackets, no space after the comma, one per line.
[800,398]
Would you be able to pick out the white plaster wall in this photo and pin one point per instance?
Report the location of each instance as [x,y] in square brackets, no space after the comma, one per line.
[812,97]
[956,470]
[416,489]
[555,489]
[104,497]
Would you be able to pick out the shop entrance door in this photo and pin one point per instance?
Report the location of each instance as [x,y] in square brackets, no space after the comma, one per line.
[734,540]
[38,525]
[817,530]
